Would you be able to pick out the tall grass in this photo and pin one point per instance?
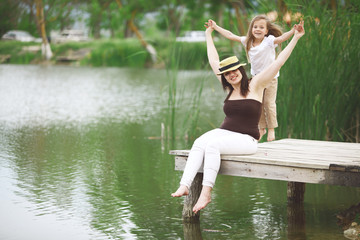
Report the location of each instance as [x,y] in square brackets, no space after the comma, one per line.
[183,116]
[172,66]
[319,86]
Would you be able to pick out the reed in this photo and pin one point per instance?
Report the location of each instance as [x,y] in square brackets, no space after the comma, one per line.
[190,123]
[319,87]
[182,117]
[172,66]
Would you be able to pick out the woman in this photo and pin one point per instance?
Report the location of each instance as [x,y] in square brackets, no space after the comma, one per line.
[239,132]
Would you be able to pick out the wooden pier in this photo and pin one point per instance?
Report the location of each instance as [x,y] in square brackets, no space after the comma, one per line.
[292,160]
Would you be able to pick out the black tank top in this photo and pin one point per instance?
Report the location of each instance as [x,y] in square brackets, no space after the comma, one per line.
[242,116]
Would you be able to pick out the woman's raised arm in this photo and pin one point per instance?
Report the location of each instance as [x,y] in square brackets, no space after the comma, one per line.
[212,53]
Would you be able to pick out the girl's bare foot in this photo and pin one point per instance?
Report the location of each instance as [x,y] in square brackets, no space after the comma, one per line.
[271,135]
[262,132]
[182,191]
[204,199]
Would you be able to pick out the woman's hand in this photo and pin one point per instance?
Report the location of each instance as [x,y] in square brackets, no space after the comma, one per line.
[209,27]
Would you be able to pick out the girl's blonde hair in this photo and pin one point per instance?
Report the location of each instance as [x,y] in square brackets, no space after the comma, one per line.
[273,29]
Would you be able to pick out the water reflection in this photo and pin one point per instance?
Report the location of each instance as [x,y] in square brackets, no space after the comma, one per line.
[266,224]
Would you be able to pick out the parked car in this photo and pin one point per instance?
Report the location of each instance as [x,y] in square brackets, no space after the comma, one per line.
[21,36]
[192,36]
[69,35]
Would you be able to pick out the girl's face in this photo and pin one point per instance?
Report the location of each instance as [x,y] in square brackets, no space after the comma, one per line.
[233,77]
[259,29]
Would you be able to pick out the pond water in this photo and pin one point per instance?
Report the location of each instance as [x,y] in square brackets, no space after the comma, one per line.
[81,158]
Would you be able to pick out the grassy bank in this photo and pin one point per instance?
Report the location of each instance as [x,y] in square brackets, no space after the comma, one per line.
[114,53]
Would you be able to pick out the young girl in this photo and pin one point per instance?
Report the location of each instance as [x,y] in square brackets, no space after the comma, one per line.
[260,43]
[239,132]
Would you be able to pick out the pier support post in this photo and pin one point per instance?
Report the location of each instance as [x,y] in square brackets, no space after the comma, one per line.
[190,200]
[295,210]
[295,192]
[192,231]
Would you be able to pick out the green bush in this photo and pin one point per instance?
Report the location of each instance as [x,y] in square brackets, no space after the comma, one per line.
[15,50]
[119,53]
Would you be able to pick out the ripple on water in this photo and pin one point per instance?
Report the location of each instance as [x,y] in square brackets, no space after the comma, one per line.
[35,95]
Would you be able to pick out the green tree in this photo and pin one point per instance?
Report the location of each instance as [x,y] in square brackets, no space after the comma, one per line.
[97,10]
[10,12]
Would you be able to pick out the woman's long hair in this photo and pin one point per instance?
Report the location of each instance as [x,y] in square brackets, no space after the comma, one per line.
[272,28]
[244,84]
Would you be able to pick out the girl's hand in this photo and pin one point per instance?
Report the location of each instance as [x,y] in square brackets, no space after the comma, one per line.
[213,23]
[299,29]
[210,24]
[298,26]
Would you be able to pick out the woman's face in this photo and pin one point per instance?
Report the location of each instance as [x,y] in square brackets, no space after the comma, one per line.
[233,77]
[259,29]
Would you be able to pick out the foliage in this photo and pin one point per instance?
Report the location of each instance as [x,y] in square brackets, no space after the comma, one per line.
[118,53]
[10,12]
[319,88]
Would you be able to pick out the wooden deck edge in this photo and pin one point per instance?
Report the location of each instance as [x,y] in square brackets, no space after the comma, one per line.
[344,168]
[255,158]
[283,173]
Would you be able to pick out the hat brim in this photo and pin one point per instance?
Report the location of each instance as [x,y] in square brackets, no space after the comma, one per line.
[232,68]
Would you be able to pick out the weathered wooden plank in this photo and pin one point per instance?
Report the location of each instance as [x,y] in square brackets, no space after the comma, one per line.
[285,160]
[305,142]
[337,153]
[300,153]
[279,156]
[283,173]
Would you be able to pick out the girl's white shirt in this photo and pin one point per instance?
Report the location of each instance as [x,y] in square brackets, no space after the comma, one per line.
[261,55]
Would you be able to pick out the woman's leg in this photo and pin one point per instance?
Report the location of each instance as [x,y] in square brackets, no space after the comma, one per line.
[194,162]
[227,142]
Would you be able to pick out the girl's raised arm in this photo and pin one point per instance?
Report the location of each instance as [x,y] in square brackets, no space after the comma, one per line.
[212,53]
[264,78]
[226,33]
[287,35]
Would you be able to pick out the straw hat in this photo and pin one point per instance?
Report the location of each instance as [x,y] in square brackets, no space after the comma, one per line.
[229,64]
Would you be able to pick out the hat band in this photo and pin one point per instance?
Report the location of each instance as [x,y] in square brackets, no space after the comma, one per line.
[229,66]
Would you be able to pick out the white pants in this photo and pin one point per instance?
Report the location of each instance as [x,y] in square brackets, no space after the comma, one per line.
[206,152]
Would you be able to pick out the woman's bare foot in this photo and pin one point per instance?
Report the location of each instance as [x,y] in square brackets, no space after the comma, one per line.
[262,132]
[271,135]
[182,191]
[204,199]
